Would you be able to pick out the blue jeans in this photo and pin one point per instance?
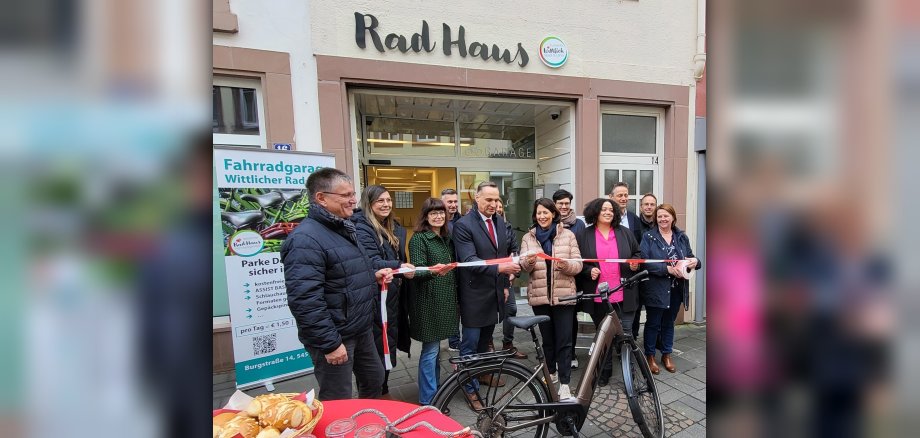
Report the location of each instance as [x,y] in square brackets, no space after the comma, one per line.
[660,323]
[475,340]
[454,342]
[429,373]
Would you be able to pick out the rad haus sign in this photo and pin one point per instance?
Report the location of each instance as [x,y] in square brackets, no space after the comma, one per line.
[366,26]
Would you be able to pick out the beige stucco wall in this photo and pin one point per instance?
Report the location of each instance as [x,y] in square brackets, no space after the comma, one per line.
[643,41]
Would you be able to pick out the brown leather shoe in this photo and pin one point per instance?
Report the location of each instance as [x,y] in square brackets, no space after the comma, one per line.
[491,380]
[473,398]
[517,353]
[652,364]
[668,364]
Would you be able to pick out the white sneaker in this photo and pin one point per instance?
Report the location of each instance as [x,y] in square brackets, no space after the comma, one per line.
[565,394]
[574,363]
[555,377]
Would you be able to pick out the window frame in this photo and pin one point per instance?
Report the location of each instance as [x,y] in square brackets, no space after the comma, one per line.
[633,160]
[244,140]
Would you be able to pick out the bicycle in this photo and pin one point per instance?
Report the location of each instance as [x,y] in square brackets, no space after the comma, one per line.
[517,399]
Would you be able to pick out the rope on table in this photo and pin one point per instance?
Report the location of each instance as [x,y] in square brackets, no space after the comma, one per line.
[391,426]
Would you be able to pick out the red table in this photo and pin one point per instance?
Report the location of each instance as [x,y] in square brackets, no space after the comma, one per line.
[335,409]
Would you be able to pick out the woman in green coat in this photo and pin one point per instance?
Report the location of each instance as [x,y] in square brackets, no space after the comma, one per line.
[433,314]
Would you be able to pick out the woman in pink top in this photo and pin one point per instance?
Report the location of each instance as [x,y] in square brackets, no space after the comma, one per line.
[606,238]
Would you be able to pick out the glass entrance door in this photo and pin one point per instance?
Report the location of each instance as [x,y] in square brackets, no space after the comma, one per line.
[410,187]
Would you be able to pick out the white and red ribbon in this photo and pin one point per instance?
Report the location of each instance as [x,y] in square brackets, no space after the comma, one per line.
[388,364]
[516,259]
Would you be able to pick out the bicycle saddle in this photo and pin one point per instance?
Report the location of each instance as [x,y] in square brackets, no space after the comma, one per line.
[291,195]
[526,322]
[242,219]
[270,199]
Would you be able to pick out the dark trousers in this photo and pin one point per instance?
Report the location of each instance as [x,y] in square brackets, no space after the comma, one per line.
[510,310]
[363,362]
[635,324]
[659,323]
[557,339]
[598,313]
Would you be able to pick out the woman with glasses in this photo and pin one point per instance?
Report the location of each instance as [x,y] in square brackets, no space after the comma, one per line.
[383,240]
[434,314]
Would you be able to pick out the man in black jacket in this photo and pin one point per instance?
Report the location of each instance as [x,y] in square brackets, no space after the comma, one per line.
[331,288]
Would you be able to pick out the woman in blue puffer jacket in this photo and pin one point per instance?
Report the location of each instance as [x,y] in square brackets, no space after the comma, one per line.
[667,287]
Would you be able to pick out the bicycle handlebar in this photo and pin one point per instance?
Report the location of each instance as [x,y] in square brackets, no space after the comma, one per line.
[604,288]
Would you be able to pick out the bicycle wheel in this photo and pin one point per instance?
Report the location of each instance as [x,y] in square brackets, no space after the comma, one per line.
[515,391]
[641,392]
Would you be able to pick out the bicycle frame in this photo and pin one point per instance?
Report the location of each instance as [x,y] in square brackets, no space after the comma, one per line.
[608,333]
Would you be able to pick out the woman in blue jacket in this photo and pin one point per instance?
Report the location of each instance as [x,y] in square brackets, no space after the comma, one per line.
[667,287]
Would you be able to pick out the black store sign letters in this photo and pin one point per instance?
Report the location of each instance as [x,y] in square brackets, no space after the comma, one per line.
[366,25]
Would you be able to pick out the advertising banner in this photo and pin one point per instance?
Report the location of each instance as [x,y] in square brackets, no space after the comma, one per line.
[262,197]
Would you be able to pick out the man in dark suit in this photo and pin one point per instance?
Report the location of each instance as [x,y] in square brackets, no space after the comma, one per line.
[620,195]
[482,235]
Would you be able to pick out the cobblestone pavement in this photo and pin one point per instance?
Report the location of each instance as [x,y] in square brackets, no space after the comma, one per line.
[683,394]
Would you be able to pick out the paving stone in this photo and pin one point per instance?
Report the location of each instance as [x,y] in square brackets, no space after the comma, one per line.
[688,411]
[696,356]
[696,384]
[223,377]
[694,431]
[682,387]
[698,373]
[700,395]
[670,396]
[693,402]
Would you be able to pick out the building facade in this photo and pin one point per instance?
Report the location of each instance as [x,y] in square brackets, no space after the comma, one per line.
[422,96]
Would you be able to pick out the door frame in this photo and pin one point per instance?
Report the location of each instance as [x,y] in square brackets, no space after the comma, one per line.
[634,161]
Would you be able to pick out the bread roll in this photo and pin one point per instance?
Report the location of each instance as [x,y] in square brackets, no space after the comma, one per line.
[240,424]
[269,432]
[262,402]
[287,414]
[216,431]
[222,418]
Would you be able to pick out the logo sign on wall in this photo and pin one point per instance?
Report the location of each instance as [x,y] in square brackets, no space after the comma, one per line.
[553,52]
[262,198]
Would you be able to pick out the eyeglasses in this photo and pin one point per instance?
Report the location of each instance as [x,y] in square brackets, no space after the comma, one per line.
[350,195]
[437,213]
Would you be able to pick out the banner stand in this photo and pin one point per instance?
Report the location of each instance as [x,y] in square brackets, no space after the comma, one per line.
[262,198]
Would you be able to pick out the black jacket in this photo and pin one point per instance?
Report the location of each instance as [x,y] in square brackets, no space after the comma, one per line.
[656,291]
[330,281]
[384,255]
[645,226]
[635,225]
[627,248]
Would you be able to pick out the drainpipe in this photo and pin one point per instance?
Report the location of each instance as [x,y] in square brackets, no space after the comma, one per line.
[699,60]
